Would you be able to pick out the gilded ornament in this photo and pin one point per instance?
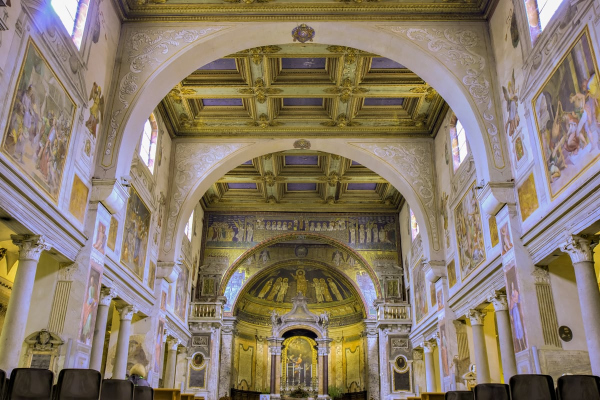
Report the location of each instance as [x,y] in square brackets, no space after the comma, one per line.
[346,90]
[259,91]
[247,1]
[333,179]
[257,53]
[178,93]
[302,144]
[341,122]
[264,122]
[350,54]
[420,120]
[269,179]
[430,92]
[303,33]
[186,122]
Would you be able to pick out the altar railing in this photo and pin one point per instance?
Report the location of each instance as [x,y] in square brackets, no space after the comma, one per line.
[205,311]
[397,312]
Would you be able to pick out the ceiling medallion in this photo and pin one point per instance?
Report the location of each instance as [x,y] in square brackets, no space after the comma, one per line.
[302,144]
[303,33]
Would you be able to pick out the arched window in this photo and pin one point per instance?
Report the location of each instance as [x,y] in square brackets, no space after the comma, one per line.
[539,14]
[459,143]
[188,230]
[148,144]
[414,226]
[73,14]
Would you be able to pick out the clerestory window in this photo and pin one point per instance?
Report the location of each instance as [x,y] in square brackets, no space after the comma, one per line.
[539,14]
[148,144]
[73,14]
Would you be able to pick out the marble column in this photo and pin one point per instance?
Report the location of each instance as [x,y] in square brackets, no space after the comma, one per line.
[170,368]
[580,248]
[373,361]
[13,332]
[227,333]
[106,296]
[428,347]
[323,365]
[481,358]
[275,353]
[120,368]
[505,339]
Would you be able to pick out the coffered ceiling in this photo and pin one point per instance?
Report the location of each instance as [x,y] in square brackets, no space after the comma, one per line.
[302,180]
[303,90]
[292,10]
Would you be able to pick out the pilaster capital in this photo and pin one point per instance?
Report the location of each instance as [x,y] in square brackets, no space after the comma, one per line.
[30,246]
[106,296]
[476,316]
[126,312]
[428,346]
[66,270]
[112,193]
[173,343]
[228,328]
[437,270]
[499,301]
[541,275]
[371,330]
[580,247]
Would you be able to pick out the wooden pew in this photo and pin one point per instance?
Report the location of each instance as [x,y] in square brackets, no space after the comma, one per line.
[167,394]
[186,396]
[413,398]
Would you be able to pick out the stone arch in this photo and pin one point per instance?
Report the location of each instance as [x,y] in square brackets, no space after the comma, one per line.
[452,57]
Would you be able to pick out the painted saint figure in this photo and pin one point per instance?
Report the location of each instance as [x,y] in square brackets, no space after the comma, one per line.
[283,290]
[325,290]
[516,321]
[301,282]
[275,289]
[335,290]
[317,285]
[265,289]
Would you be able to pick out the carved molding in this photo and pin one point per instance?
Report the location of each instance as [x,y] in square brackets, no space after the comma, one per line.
[192,161]
[145,50]
[499,301]
[541,275]
[126,312]
[464,52]
[413,161]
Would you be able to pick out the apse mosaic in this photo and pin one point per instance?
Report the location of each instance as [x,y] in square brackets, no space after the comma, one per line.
[377,232]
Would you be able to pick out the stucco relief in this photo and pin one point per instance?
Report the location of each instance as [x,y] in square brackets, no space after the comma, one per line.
[145,50]
[412,161]
[466,51]
[192,161]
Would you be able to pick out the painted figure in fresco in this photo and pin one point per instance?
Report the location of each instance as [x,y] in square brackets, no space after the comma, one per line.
[337,257]
[89,307]
[240,236]
[311,227]
[264,256]
[325,290]
[268,227]
[511,96]
[301,282]
[382,236]
[369,227]
[335,290]
[506,242]
[275,289]
[265,289]
[100,238]
[283,290]
[96,110]
[445,365]
[361,233]
[375,233]
[317,286]
[515,317]
[352,234]
[249,233]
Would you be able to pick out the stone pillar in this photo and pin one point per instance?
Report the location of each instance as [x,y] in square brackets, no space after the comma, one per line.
[106,296]
[580,248]
[275,351]
[227,332]
[384,362]
[481,358]
[428,347]
[120,368]
[373,361]
[170,368]
[507,349]
[323,365]
[13,332]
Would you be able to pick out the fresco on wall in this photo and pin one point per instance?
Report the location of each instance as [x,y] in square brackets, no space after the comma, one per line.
[451,273]
[511,97]
[100,238]
[78,201]
[506,241]
[420,292]
[112,233]
[151,275]
[528,200]
[493,225]
[515,309]
[444,347]
[96,109]
[158,345]
[90,305]
[40,123]
[181,292]
[567,116]
[135,234]
[376,232]
[469,233]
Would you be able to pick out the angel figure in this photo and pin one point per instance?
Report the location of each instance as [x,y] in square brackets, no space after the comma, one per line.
[96,110]
[511,95]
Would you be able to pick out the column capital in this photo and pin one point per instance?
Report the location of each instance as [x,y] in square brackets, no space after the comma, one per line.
[428,346]
[541,275]
[106,296]
[499,301]
[476,316]
[30,246]
[580,247]
[173,343]
[126,312]
[66,270]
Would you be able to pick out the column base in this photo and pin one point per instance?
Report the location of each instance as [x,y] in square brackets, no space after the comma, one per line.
[323,397]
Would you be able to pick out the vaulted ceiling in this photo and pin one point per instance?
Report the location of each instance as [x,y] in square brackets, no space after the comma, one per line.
[302,180]
[292,10]
[303,90]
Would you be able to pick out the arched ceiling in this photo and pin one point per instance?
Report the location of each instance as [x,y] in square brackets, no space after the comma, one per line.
[302,180]
[303,90]
[326,288]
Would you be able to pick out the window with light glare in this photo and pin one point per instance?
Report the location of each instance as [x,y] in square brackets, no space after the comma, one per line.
[148,143]
[414,226]
[459,144]
[188,230]
[539,14]
[72,14]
